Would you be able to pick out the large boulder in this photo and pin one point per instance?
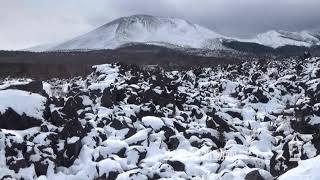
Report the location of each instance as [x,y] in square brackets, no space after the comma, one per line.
[254,175]
[21,110]
[13,121]
[33,87]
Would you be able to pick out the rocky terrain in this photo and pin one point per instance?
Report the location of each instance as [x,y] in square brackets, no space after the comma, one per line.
[251,120]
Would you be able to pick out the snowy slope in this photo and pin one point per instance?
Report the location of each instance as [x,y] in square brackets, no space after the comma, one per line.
[277,39]
[307,170]
[41,47]
[144,29]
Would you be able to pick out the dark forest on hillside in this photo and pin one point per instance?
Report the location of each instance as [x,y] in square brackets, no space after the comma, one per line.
[69,64]
[66,64]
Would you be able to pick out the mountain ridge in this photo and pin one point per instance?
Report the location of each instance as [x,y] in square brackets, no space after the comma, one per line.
[279,38]
[174,33]
[142,29]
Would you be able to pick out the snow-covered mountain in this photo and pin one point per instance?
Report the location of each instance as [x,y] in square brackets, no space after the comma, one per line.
[145,29]
[172,33]
[277,39]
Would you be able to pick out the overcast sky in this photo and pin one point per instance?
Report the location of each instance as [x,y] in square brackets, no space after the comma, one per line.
[25,23]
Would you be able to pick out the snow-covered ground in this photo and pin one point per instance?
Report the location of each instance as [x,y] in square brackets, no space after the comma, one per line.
[254,120]
[307,170]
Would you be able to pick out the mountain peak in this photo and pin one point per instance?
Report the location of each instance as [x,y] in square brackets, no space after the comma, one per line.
[133,18]
[146,18]
[173,32]
[144,29]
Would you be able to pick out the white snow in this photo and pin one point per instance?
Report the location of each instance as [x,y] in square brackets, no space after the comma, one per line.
[314,120]
[145,29]
[22,102]
[277,39]
[72,140]
[140,135]
[154,122]
[306,170]
[7,83]
[108,165]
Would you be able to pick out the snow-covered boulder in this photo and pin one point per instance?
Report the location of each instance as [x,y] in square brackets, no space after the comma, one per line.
[21,109]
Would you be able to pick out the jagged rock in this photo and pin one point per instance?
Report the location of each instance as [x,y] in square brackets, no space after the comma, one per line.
[58,102]
[72,105]
[223,126]
[254,175]
[69,153]
[177,165]
[259,94]
[57,119]
[16,165]
[107,99]
[173,143]
[12,120]
[41,168]
[33,87]
[72,128]
[117,124]
[235,114]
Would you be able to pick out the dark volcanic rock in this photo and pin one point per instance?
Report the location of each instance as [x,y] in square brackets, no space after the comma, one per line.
[57,119]
[72,128]
[177,165]
[254,175]
[16,165]
[173,143]
[41,168]
[33,86]
[72,105]
[12,120]
[69,153]
[259,94]
[106,99]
